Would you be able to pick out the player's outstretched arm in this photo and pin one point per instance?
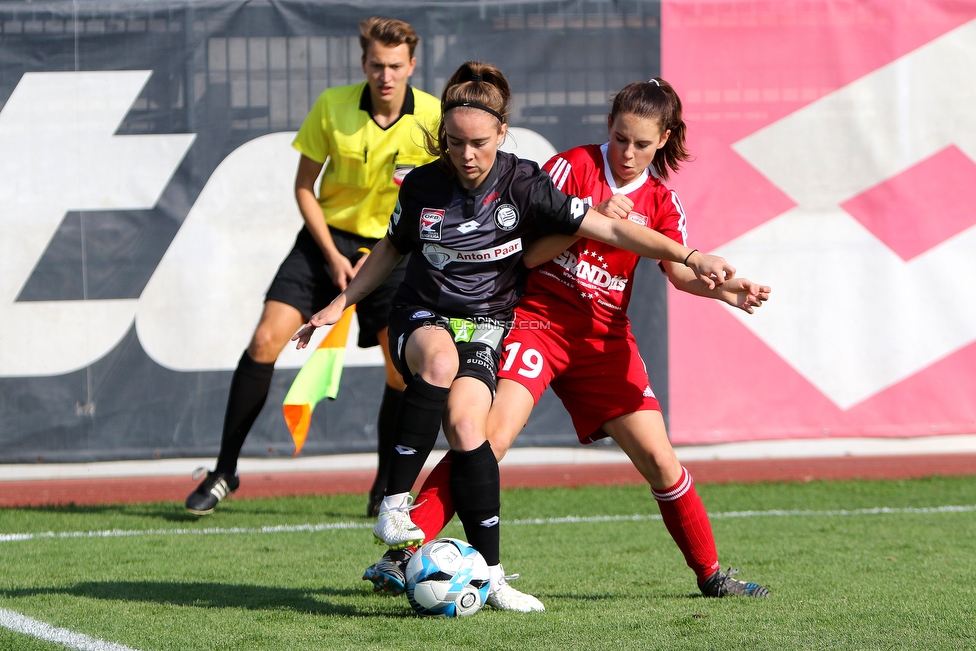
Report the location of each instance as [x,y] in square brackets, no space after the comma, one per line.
[375,269]
[738,292]
[710,269]
[545,249]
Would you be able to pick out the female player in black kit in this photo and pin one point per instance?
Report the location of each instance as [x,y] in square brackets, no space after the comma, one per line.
[468,217]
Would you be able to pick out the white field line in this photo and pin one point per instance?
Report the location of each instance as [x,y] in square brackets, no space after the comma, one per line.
[331,526]
[34,628]
[120,533]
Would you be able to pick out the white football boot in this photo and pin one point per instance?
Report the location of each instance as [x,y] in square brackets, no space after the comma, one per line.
[394,527]
[502,596]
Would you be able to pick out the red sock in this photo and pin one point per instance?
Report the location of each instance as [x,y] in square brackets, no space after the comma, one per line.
[435,506]
[685,517]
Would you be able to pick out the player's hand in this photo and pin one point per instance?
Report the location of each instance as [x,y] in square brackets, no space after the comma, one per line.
[303,336]
[710,269]
[327,316]
[745,294]
[341,270]
[616,207]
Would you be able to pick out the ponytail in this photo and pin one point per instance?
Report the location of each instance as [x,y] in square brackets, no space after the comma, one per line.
[656,100]
[475,85]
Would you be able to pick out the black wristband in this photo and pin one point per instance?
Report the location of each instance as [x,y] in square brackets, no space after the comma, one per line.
[689,255]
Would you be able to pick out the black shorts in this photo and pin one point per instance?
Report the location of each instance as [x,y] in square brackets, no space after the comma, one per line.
[303,281]
[478,341]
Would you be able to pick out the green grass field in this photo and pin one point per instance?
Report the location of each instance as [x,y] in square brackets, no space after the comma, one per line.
[843,574]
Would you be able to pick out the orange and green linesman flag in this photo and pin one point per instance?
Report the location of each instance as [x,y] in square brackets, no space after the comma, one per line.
[318,378]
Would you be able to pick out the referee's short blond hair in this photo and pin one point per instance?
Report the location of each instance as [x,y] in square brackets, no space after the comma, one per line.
[388,31]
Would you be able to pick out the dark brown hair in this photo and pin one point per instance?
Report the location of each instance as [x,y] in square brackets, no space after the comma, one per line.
[656,100]
[475,85]
[388,31]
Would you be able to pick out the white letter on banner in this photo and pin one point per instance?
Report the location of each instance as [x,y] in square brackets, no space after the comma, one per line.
[200,308]
[58,153]
[527,144]
[848,313]
[198,311]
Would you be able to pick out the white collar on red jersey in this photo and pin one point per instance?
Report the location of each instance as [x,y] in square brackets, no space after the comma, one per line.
[627,189]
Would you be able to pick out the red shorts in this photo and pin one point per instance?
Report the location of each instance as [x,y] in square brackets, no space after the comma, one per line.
[597,377]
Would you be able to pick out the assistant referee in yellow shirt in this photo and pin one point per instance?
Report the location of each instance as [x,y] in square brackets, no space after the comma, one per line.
[368,136]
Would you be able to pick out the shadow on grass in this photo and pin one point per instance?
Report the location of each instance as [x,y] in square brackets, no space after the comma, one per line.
[175,512]
[213,595]
[149,509]
[611,597]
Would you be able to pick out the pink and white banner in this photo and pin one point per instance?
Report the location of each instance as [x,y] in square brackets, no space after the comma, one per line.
[835,146]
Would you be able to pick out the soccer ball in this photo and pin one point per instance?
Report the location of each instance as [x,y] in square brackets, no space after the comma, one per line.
[447,578]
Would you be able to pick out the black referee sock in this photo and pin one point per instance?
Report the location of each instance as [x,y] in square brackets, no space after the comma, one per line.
[385,431]
[475,487]
[417,423]
[248,390]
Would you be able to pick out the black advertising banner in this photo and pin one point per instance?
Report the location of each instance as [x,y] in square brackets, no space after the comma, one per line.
[146,200]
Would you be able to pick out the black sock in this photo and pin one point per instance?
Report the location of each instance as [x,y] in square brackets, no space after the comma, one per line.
[248,390]
[475,490]
[385,430]
[417,422]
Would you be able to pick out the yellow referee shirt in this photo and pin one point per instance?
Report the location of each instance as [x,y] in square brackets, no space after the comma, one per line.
[358,191]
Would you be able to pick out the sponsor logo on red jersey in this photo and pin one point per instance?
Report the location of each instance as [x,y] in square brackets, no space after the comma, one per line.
[589,273]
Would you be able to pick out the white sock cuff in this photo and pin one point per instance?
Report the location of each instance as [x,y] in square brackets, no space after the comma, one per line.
[683,486]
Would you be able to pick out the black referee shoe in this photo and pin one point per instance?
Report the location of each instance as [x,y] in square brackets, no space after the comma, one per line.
[211,490]
[373,506]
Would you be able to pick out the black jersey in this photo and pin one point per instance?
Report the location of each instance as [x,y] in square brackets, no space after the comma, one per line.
[468,244]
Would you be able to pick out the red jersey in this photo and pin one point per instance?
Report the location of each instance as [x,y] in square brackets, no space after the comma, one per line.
[590,275]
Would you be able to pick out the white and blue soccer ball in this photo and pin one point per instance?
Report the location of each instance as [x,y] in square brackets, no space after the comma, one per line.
[447,578]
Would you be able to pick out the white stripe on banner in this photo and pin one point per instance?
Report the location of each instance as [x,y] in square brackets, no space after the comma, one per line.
[34,628]
[299,528]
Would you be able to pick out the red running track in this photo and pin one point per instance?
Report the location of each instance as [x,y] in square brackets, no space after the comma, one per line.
[175,489]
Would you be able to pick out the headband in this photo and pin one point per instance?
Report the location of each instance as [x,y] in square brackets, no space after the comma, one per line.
[452,105]
[655,81]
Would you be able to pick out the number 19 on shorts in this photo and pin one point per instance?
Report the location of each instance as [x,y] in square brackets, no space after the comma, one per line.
[530,361]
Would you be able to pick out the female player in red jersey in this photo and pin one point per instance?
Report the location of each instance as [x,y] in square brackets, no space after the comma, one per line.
[572,332]
[467,218]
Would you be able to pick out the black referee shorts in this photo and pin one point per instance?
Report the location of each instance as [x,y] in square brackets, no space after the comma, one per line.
[303,281]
